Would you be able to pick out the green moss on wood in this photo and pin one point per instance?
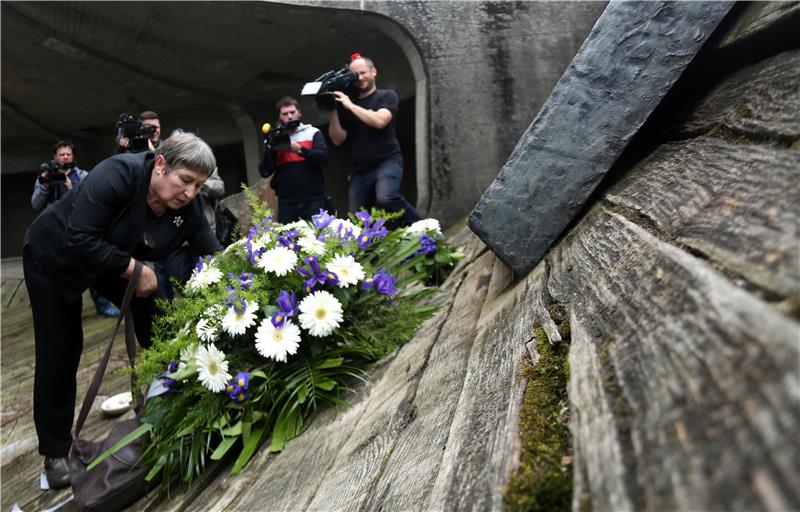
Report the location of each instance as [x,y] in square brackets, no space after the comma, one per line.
[543,480]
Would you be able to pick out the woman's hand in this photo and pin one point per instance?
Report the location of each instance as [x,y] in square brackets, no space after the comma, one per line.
[147,284]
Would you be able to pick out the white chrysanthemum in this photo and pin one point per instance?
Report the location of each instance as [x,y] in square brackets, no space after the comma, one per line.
[320,313]
[235,245]
[347,269]
[311,245]
[277,343]
[236,323]
[188,355]
[301,226]
[260,242]
[207,329]
[212,368]
[425,226]
[199,280]
[346,224]
[278,260]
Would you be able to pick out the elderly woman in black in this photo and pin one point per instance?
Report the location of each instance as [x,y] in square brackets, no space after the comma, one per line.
[130,207]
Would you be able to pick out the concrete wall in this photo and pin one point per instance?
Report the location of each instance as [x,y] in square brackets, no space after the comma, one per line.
[489,66]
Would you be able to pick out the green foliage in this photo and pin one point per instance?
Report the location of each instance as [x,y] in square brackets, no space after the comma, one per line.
[543,480]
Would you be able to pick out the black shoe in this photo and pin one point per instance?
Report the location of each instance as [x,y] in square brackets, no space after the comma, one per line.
[57,471]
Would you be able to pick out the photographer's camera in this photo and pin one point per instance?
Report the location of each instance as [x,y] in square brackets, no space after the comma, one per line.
[136,131]
[50,172]
[322,88]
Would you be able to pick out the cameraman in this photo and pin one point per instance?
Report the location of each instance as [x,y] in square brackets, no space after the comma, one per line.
[369,123]
[148,118]
[47,191]
[297,167]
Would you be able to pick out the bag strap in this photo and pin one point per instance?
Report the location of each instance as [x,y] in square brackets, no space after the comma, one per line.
[130,344]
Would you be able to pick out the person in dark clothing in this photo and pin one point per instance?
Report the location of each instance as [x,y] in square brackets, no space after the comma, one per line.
[148,118]
[130,207]
[46,193]
[296,169]
[368,122]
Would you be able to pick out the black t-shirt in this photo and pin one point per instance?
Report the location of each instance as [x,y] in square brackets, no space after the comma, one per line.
[370,146]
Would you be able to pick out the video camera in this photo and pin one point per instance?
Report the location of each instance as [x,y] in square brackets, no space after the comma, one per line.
[136,131]
[322,88]
[279,136]
[52,169]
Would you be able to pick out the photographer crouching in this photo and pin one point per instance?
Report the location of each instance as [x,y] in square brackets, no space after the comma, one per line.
[131,207]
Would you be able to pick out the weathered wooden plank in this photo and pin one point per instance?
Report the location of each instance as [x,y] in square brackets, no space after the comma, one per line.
[391,408]
[760,101]
[634,54]
[411,467]
[738,204]
[482,447]
[758,18]
[701,376]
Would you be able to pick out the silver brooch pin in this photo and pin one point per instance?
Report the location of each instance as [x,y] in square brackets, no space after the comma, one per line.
[177,221]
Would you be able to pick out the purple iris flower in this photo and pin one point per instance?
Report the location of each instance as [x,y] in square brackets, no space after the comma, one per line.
[236,388]
[168,383]
[371,232]
[364,216]
[236,302]
[315,275]
[287,307]
[287,240]
[251,254]
[383,282]
[202,262]
[427,245]
[322,219]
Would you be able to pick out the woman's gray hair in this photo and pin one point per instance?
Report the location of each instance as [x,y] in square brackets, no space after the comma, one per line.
[189,151]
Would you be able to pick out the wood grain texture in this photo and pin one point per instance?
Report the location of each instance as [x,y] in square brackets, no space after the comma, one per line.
[738,204]
[410,471]
[759,101]
[700,376]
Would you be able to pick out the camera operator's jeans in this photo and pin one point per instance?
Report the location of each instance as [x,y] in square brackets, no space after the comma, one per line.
[290,211]
[381,188]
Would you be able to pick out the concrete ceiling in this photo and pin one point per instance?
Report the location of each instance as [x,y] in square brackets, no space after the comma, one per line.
[69,69]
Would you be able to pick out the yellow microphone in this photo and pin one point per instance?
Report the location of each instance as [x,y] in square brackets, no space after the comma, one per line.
[265,128]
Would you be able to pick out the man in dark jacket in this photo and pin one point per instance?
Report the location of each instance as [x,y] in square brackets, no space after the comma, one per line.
[296,167]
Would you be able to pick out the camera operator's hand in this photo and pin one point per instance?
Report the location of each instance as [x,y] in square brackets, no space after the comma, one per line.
[343,99]
[124,141]
[44,180]
[295,148]
[147,284]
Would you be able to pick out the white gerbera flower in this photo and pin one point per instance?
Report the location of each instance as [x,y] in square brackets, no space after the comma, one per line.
[277,343]
[320,313]
[347,269]
[278,260]
[425,226]
[346,225]
[212,368]
[236,323]
[311,245]
[301,226]
[207,330]
[199,280]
